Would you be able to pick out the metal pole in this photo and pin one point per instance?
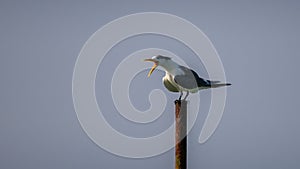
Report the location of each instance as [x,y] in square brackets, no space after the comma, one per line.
[181,134]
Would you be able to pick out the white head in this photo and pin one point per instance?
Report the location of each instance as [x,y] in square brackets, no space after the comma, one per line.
[158,60]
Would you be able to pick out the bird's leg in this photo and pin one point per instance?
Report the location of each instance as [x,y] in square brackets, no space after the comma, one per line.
[187,93]
[181,93]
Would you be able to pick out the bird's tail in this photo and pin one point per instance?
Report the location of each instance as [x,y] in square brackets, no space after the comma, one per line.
[215,85]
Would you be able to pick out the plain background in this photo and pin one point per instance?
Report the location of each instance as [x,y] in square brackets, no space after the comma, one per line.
[258,42]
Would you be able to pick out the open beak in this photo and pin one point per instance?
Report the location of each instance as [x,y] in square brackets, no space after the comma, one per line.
[153,67]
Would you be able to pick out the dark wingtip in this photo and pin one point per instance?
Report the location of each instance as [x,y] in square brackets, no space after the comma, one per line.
[228,84]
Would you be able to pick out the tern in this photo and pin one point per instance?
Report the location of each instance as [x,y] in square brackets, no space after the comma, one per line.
[181,79]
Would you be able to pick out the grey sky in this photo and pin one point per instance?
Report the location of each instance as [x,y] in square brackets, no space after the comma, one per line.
[258,43]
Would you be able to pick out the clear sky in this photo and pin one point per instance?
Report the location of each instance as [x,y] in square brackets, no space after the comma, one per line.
[257,41]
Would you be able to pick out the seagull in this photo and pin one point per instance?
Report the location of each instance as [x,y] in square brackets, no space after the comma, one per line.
[181,79]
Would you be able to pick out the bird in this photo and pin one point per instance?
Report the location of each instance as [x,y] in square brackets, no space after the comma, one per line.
[181,79]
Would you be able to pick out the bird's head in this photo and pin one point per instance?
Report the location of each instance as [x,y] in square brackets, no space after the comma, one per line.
[158,60]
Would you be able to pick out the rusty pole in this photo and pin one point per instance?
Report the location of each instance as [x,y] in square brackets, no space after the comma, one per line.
[181,134]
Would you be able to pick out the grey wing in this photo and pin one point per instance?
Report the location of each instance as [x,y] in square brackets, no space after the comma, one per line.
[187,82]
[190,79]
[170,86]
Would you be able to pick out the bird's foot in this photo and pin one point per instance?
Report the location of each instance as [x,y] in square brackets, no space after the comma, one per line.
[177,101]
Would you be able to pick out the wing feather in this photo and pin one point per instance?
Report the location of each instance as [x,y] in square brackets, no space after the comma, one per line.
[190,79]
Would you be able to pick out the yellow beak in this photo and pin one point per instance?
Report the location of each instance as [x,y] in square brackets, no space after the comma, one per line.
[153,67]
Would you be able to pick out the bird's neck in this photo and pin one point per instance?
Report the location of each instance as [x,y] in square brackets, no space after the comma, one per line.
[172,68]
